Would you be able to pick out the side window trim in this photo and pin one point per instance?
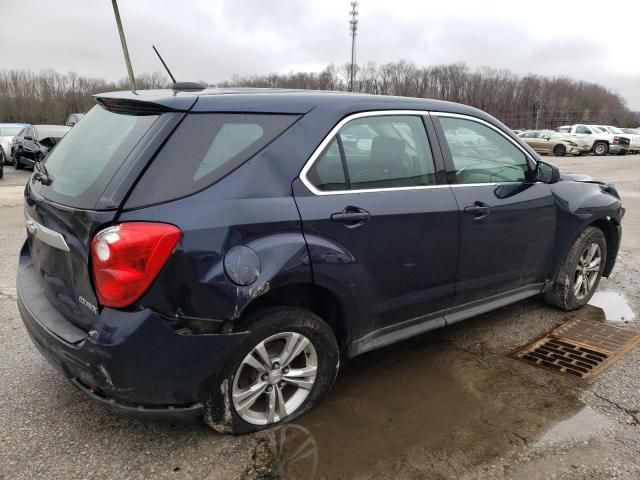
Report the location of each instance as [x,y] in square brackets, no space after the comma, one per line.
[334,134]
[343,161]
[451,175]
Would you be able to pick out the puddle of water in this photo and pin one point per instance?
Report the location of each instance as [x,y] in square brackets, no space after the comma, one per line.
[584,425]
[615,306]
[421,405]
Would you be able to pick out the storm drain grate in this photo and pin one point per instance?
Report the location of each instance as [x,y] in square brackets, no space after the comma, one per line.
[584,348]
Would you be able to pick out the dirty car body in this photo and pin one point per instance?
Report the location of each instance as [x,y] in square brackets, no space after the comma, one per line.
[276,223]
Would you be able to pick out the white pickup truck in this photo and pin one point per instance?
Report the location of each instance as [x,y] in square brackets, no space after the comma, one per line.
[601,142]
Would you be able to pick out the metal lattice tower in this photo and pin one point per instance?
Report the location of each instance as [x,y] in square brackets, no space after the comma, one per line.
[353,28]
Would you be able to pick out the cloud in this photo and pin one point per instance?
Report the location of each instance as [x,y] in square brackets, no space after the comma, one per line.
[213,40]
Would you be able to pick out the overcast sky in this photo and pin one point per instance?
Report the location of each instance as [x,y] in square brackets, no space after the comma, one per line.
[212,40]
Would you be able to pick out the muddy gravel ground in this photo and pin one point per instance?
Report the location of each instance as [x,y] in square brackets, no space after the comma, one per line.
[449,404]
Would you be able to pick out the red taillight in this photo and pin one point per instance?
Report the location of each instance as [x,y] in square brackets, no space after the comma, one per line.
[126,258]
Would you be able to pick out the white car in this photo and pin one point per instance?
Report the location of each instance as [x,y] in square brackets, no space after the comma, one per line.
[635,142]
[7,132]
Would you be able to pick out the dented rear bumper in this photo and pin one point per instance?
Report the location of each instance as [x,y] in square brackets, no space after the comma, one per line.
[131,362]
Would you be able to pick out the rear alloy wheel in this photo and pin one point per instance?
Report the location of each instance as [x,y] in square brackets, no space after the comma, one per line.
[559,150]
[600,148]
[580,272]
[268,385]
[285,364]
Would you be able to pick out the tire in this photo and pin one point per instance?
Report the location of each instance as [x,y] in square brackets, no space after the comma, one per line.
[600,148]
[569,292]
[18,165]
[272,327]
[559,150]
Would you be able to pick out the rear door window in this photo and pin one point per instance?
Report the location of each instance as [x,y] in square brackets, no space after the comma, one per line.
[203,149]
[328,172]
[376,152]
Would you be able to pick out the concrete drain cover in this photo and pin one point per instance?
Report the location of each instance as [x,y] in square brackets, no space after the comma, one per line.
[584,348]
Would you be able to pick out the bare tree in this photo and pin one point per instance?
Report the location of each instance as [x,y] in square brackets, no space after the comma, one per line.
[49,96]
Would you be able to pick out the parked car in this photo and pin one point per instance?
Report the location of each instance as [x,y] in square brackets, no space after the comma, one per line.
[634,139]
[7,132]
[234,283]
[73,119]
[34,142]
[599,140]
[548,141]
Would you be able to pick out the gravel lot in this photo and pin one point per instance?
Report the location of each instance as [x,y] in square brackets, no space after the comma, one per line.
[449,404]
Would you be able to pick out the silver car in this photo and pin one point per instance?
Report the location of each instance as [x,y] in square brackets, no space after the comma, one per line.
[7,132]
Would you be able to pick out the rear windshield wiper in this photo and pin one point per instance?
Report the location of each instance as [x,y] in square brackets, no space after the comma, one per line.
[41,174]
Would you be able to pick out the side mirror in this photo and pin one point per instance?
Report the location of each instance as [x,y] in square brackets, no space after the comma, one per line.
[547,173]
[546,137]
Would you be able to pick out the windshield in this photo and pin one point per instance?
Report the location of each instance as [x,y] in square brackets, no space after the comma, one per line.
[10,131]
[615,130]
[85,160]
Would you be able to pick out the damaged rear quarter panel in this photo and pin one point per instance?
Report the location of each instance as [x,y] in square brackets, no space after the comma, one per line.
[193,282]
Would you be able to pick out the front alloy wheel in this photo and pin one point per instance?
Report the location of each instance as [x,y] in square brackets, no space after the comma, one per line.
[587,271]
[275,378]
[580,272]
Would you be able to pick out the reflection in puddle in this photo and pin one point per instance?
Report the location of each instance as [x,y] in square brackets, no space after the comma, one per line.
[285,452]
[584,425]
[615,306]
[422,406]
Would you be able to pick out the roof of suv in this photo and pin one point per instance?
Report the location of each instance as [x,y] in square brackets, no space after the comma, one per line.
[259,100]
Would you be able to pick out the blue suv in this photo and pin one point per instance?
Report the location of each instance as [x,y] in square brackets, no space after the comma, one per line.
[219,253]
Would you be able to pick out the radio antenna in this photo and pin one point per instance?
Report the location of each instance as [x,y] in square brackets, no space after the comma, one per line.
[164,64]
[125,50]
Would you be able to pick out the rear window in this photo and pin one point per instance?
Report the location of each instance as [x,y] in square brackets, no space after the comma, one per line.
[84,161]
[202,150]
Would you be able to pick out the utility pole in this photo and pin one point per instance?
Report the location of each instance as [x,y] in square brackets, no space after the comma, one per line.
[125,50]
[353,28]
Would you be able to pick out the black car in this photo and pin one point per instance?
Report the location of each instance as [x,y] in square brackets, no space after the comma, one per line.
[221,253]
[34,142]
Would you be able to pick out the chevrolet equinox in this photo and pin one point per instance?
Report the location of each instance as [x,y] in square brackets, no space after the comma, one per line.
[216,253]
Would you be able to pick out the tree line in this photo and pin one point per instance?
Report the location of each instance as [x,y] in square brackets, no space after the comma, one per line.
[48,97]
[528,101]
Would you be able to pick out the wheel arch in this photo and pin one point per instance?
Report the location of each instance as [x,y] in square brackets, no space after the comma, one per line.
[318,299]
[611,229]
